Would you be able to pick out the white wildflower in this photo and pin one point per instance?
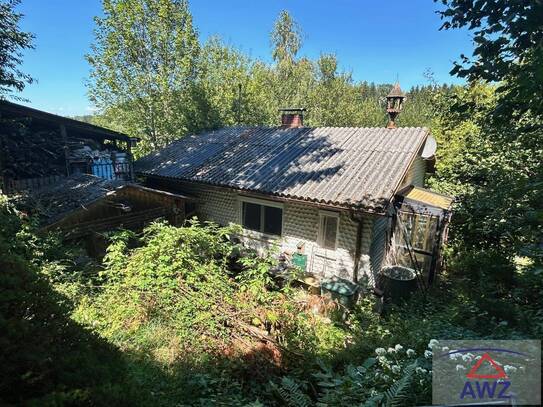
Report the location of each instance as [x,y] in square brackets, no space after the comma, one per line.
[385,377]
[428,354]
[380,351]
[460,367]
[433,343]
[410,353]
[466,357]
[398,347]
[391,350]
[445,349]
[420,370]
[396,369]
[509,369]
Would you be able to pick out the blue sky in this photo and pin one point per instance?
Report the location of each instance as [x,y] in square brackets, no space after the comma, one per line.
[375,40]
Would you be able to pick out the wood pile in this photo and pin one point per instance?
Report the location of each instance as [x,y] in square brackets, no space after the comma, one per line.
[35,154]
[29,152]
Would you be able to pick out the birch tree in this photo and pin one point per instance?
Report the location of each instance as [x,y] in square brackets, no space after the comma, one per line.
[143,65]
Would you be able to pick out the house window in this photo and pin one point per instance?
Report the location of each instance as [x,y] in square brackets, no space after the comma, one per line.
[262,217]
[328,229]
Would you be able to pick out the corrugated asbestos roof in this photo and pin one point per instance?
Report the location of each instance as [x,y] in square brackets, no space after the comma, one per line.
[73,192]
[351,167]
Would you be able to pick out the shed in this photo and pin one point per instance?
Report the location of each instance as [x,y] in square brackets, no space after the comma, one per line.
[38,148]
[82,204]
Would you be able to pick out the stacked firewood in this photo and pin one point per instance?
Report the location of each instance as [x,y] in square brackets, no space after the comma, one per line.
[34,154]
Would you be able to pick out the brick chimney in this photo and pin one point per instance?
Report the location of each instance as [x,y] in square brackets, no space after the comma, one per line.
[292,117]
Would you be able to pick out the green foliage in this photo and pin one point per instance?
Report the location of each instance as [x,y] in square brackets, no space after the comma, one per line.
[165,321]
[178,86]
[492,162]
[13,42]
[143,65]
[292,393]
[47,358]
[495,172]
[508,38]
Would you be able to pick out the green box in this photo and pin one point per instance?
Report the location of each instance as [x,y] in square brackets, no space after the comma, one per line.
[340,289]
[300,260]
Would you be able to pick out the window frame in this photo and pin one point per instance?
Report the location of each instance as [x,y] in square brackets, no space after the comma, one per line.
[322,232]
[261,202]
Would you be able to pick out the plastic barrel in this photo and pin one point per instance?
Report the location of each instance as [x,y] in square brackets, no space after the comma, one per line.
[398,282]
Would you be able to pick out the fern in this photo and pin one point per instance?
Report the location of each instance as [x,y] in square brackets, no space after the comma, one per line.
[292,393]
[398,393]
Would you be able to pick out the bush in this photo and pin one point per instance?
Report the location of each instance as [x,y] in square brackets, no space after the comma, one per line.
[46,357]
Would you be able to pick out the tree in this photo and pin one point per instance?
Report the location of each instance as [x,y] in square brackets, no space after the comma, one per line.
[508,37]
[144,63]
[498,137]
[12,44]
[286,38]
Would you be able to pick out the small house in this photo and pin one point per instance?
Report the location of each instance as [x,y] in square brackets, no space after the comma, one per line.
[346,199]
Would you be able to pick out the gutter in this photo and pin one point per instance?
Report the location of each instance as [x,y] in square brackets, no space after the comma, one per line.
[269,196]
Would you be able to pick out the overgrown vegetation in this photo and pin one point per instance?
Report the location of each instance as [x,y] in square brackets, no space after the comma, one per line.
[164,320]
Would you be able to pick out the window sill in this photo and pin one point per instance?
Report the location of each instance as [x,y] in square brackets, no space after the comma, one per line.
[253,234]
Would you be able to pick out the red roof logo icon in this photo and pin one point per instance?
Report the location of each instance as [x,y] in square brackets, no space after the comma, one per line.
[500,373]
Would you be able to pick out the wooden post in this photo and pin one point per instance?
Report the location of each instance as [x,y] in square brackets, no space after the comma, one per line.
[130,160]
[64,136]
[113,158]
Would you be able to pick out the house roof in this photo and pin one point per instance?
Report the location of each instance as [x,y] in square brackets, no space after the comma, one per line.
[351,167]
[74,192]
[10,109]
